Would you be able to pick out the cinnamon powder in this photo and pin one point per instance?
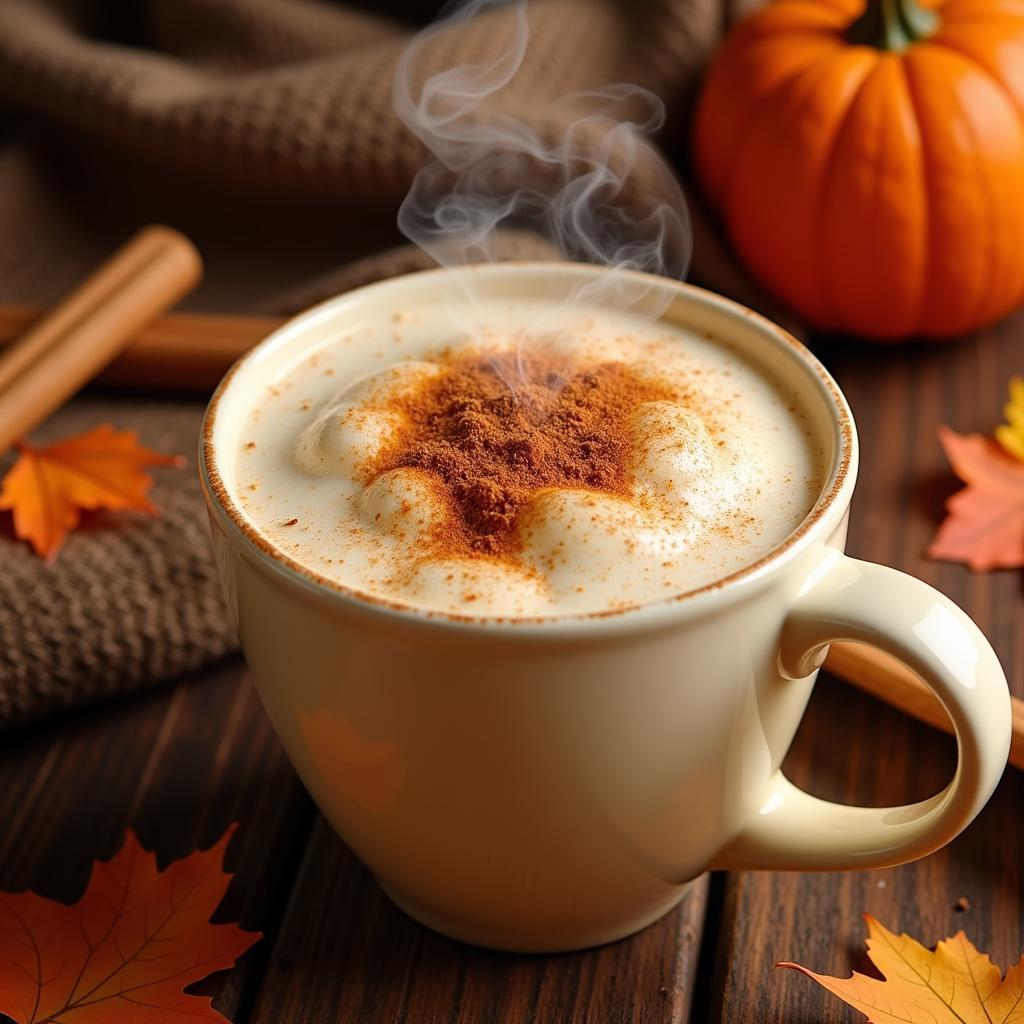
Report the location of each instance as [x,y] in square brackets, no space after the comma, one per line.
[494,431]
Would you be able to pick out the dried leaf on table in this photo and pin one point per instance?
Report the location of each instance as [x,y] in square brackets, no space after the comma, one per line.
[985,523]
[1011,434]
[955,983]
[124,952]
[48,487]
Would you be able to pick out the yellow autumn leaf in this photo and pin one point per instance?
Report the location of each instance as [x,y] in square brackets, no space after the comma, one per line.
[1011,434]
[956,983]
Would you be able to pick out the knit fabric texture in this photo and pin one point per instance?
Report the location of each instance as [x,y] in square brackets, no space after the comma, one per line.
[263,129]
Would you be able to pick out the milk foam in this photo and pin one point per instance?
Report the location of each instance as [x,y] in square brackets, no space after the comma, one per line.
[719,476]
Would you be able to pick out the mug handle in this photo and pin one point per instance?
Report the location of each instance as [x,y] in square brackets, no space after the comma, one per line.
[846,599]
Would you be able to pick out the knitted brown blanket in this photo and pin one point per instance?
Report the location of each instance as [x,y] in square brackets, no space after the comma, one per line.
[263,129]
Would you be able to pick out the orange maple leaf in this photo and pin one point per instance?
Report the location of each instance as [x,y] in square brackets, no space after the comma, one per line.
[985,524]
[125,951]
[48,487]
[955,983]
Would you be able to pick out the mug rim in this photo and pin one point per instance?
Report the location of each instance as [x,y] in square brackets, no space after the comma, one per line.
[834,493]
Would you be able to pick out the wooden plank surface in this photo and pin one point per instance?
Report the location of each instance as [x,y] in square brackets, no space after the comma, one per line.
[356,958]
[181,764]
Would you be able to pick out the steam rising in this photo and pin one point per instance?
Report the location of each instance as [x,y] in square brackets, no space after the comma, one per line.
[582,174]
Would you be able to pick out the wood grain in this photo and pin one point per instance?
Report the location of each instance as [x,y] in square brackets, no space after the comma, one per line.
[179,766]
[345,947]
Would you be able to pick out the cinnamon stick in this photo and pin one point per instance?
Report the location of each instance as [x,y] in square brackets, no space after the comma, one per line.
[888,679]
[80,336]
[187,352]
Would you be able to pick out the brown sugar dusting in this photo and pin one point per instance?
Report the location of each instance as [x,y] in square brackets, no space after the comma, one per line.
[493,431]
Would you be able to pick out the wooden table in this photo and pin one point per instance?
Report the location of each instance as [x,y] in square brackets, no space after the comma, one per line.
[180,764]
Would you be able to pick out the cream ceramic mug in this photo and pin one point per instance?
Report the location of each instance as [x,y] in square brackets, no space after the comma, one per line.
[554,784]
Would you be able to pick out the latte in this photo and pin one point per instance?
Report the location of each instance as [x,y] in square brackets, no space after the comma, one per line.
[558,464]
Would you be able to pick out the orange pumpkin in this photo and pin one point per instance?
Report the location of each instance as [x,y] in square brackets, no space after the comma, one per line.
[868,163]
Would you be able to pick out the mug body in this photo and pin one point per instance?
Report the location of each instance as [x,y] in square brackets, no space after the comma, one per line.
[531,785]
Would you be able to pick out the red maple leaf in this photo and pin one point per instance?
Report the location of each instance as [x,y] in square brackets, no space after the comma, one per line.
[985,525]
[124,952]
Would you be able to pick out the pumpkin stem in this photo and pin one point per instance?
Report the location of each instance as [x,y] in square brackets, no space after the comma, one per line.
[892,24]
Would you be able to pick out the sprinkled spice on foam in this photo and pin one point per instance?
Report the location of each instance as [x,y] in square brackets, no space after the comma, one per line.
[494,431]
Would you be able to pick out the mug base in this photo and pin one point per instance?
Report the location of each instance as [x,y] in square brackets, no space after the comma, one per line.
[522,941]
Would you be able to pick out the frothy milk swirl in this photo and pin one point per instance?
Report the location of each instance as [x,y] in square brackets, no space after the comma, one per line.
[718,467]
